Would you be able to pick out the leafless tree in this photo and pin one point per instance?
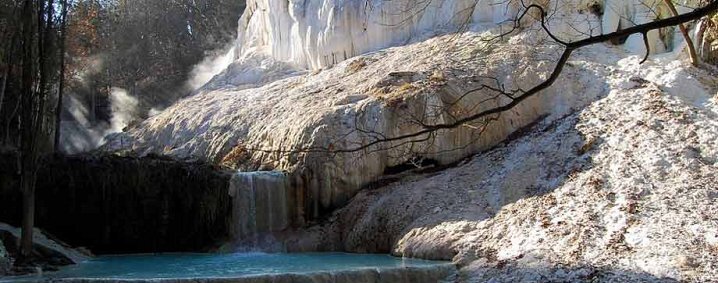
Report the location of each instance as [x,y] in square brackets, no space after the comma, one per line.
[38,68]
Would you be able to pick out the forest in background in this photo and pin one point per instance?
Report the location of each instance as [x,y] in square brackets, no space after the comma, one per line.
[72,71]
[111,63]
[124,60]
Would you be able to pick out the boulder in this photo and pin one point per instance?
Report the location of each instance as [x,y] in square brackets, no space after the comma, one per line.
[48,253]
[54,251]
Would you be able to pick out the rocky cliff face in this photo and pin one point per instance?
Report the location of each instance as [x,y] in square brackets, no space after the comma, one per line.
[318,33]
[294,123]
[299,99]
[314,34]
[623,190]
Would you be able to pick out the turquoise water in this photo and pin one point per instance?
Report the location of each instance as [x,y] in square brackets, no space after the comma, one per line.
[184,266]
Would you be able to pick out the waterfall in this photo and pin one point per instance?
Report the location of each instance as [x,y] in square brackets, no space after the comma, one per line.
[262,203]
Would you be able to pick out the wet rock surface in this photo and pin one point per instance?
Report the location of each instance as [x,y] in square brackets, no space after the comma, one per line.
[126,205]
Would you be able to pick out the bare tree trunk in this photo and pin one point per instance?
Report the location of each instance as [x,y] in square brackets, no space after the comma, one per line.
[93,102]
[28,209]
[700,36]
[37,76]
[6,71]
[26,153]
[9,123]
[3,84]
[684,31]
[61,88]
[9,49]
[45,47]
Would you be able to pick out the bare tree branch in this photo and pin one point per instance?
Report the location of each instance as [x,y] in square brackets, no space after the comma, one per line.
[684,31]
[516,96]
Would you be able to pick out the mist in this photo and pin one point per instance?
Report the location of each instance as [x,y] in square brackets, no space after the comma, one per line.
[211,66]
[80,134]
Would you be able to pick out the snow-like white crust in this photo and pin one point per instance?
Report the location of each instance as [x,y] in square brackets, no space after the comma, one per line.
[313,34]
[623,190]
[291,88]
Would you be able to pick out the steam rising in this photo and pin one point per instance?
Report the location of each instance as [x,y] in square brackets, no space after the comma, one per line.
[154,112]
[79,134]
[124,110]
[210,67]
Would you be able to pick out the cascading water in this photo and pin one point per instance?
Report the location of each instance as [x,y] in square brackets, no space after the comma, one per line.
[262,203]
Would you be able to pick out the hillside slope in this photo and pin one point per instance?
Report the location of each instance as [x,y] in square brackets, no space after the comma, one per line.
[291,124]
[617,180]
[318,85]
[624,189]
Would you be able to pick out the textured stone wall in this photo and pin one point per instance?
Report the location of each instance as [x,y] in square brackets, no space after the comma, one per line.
[118,205]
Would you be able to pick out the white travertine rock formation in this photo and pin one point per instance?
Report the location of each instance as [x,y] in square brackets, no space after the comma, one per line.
[383,94]
[315,34]
[621,14]
[318,33]
[264,114]
[623,190]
